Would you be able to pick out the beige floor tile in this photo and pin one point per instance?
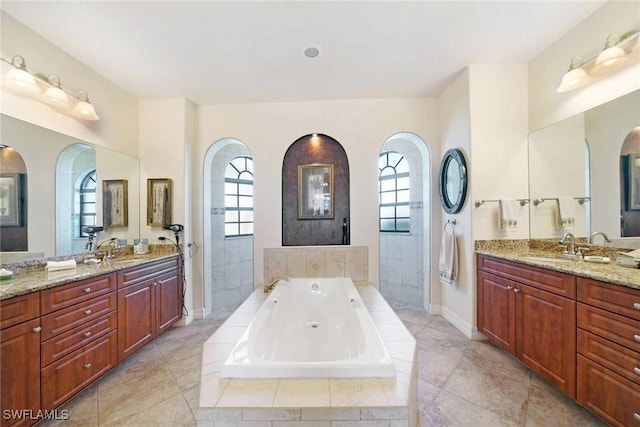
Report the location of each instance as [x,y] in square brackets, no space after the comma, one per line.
[452,411]
[435,366]
[549,407]
[82,410]
[172,412]
[186,372]
[488,356]
[491,390]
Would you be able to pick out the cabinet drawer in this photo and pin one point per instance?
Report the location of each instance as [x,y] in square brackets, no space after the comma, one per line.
[619,329]
[548,280]
[67,295]
[619,359]
[616,298]
[68,318]
[135,274]
[19,309]
[610,396]
[67,376]
[63,344]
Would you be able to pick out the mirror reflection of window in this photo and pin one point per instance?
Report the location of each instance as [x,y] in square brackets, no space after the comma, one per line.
[76,197]
[630,185]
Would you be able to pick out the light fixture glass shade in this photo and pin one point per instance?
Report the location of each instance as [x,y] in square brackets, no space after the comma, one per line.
[573,79]
[84,110]
[608,58]
[56,97]
[21,81]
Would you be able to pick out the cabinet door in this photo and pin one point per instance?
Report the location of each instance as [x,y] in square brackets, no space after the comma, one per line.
[136,317]
[496,310]
[168,299]
[20,372]
[546,331]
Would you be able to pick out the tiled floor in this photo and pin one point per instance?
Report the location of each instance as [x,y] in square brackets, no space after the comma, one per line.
[461,383]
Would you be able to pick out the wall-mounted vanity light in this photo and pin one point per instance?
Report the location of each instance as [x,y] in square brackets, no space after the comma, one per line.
[48,90]
[616,51]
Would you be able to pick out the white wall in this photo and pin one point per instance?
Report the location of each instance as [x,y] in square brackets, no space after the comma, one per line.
[167,139]
[586,40]
[361,126]
[484,114]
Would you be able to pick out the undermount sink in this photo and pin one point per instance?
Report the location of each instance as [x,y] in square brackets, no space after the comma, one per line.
[547,259]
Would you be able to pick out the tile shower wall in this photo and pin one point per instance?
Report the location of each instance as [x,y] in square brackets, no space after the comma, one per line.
[402,254]
[231,258]
[317,261]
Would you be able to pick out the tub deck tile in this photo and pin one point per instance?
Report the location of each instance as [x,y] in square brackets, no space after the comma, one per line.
[317,402]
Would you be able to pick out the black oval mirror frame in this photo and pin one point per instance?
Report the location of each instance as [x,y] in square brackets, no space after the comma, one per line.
[452,203]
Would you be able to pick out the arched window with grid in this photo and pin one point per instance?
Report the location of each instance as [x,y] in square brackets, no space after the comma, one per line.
[238,197]
[394,192]
[87,201]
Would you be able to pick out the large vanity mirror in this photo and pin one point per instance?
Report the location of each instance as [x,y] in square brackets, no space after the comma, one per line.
[66,183]
[582,168]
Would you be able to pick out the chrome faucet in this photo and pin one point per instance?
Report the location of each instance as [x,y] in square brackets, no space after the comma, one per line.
[599,233]
[269,286]
[571,252]
[111,245]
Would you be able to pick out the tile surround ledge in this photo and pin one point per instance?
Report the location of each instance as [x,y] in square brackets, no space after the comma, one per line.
[523,250]
[327,402]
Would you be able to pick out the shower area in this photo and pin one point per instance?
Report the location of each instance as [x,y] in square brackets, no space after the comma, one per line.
[228,224]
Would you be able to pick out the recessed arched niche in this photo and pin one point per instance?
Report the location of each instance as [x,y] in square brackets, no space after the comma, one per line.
[315,193]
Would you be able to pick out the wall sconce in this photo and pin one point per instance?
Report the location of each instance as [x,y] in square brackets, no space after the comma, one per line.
[23,81]
[616,51]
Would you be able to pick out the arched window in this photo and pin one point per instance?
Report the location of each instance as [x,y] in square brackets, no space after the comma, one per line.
[238,197]
[394,192]
[87,201]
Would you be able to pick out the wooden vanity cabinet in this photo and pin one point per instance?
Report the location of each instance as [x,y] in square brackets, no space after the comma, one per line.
[609,351]
[20,359]
[531,313]
[79,336]
[149,302]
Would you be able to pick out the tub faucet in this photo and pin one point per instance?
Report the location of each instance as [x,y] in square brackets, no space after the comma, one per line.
[269,286]
[599,233]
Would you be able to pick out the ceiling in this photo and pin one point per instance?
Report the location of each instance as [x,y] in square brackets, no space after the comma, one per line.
[217,52]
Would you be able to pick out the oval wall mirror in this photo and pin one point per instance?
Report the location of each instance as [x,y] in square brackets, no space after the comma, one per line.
[453,181]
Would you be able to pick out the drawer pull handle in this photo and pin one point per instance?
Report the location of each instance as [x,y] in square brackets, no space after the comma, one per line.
[516,290]
[87,312]
[509,288]
[636,337]
[636,305]
[87,290]
[37,329]
[636,416]
[87,365]
[87,334]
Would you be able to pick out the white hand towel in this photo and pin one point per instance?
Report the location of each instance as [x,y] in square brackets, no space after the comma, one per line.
[448,264]
[508,214]
[566,212]
[60,265]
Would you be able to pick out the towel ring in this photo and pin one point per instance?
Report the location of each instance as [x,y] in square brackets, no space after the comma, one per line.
[452,223]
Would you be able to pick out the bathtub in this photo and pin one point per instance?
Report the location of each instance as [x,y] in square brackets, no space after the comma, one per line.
[309,328]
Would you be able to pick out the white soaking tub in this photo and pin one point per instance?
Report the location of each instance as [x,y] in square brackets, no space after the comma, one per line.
[309,328]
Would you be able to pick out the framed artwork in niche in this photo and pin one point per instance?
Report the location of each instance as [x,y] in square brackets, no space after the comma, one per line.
[158,201]
[115,203]
[315,191]
[634,182]
[11,199]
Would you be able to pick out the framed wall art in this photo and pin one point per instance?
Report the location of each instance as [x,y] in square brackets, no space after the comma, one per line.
[11,188]
[158,201]
[315,191]
[634,182]
[115,203]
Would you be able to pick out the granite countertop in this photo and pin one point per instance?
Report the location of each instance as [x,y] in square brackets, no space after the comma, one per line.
[552,259]
[33,280]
